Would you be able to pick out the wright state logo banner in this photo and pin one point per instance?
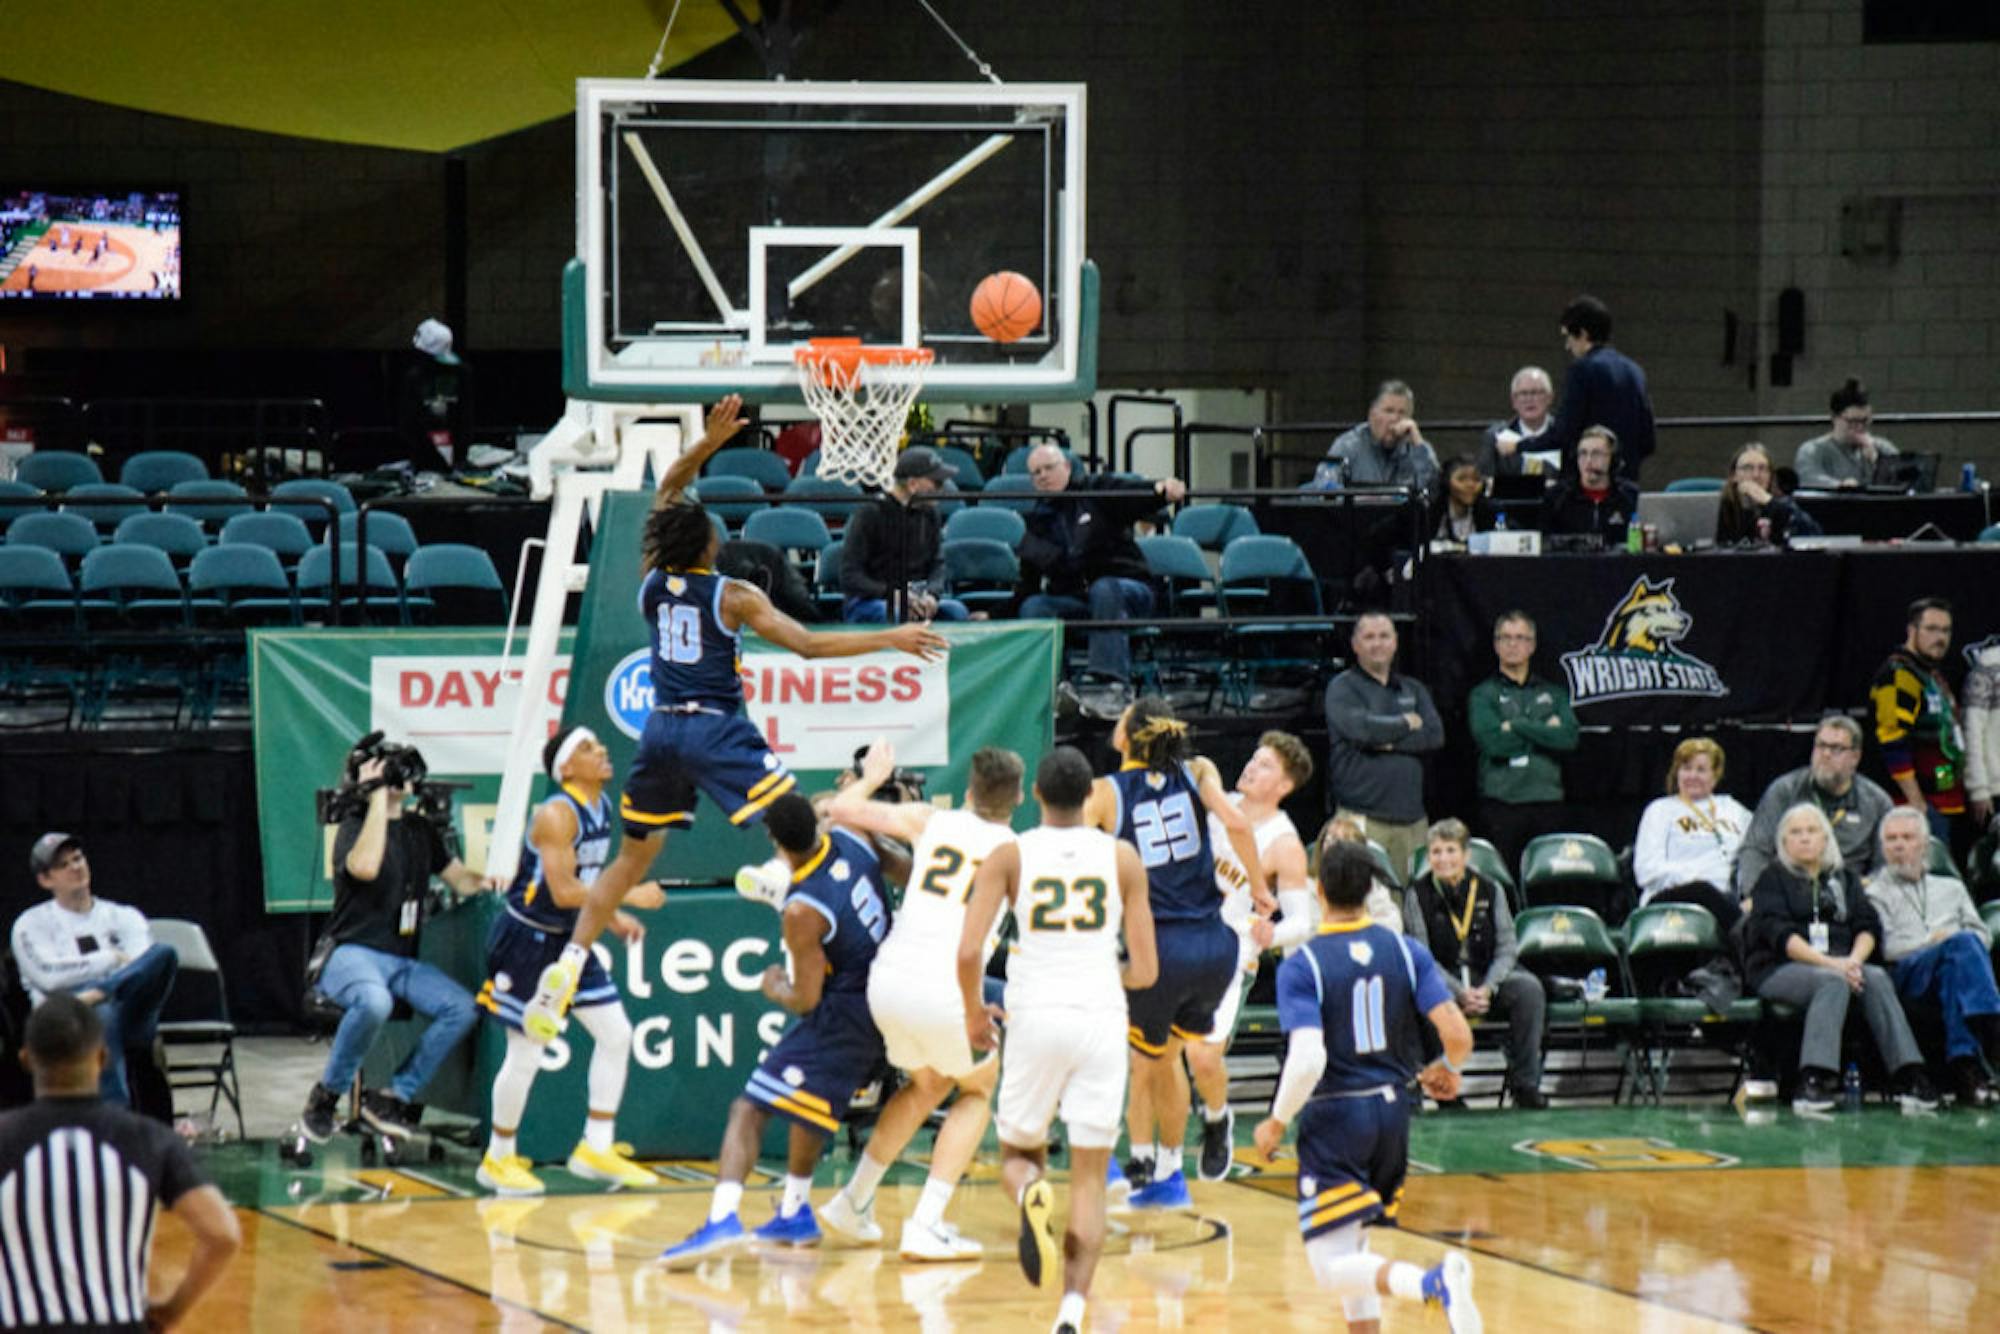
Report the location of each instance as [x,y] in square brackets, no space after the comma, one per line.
[1638,653]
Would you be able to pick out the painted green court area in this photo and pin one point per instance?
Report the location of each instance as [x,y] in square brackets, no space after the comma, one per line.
[1570,1140]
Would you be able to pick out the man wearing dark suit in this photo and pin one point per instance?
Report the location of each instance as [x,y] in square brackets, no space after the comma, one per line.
[1604,387]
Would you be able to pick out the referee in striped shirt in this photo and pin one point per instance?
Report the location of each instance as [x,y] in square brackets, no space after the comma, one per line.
[80,1180]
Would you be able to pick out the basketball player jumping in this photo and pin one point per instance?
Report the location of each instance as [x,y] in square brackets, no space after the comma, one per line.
[697,736]
[913,992]
[1352,1001]
[1070,888]
[1279,766]
[567,844]
[1155,803]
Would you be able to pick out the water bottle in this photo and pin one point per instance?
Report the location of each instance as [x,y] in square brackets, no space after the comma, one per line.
[1968,478]
[1500,522]
[1850,1088]
[1595,986]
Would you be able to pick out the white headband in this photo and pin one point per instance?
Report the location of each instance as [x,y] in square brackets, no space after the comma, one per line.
[567,749]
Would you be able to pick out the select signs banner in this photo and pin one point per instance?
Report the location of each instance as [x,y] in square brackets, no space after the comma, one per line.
[994,688]
[314,693]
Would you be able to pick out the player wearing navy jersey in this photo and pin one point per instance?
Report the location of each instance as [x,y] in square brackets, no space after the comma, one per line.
[697,735]
[835,916]
[1073,891]
[1156,802]
[913,992]
[567,845]
[1353,1001]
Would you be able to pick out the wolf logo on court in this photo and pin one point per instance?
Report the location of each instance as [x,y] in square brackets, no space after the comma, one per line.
[1639,651]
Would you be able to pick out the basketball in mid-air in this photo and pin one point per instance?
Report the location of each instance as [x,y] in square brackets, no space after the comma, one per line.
[1005,306]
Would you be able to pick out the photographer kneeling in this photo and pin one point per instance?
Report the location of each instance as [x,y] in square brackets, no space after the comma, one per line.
[383,859]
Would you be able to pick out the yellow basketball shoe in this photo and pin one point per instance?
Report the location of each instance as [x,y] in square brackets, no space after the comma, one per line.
[614,1165]
[508,1176]
[546,1016]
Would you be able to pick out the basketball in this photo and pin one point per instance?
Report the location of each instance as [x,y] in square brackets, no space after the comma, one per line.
[1005,306]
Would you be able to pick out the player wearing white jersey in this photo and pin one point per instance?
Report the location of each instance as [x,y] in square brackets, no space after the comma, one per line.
[913,993]
[1279,766]
[1070,888]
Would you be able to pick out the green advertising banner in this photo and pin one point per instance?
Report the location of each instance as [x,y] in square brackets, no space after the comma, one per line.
[994,688]
[314,693]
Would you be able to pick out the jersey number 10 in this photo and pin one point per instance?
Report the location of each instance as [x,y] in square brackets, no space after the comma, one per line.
[681,637]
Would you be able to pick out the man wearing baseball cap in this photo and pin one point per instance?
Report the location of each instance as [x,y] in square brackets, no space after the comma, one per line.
[101,952]
[893,544]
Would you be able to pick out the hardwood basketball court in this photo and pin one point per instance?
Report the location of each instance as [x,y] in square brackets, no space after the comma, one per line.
[1587,1219]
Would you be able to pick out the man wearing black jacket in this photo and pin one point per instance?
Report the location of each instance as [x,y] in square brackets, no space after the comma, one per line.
[892,546]
[1604,387]
[1080,554]
[1595,502]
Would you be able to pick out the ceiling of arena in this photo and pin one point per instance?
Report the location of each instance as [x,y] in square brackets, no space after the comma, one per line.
[430,76]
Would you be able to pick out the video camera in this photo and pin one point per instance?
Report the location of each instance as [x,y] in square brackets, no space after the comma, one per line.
[402,766]
[902,784]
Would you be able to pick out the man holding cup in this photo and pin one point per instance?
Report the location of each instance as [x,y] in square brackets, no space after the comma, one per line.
[1510,447]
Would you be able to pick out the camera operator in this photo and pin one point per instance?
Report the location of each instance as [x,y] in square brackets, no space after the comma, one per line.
[383,859]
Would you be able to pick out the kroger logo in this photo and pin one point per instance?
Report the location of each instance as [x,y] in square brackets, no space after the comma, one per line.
[628,692]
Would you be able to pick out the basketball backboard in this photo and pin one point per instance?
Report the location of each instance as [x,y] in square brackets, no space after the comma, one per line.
[721,224]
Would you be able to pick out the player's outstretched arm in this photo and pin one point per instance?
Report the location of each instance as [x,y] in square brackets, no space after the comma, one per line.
[1100,808]
[855,806]
[744,604]
[1241,837]
[1286,860]
[799,992]
[992,885]
[1142,958]
[725,419]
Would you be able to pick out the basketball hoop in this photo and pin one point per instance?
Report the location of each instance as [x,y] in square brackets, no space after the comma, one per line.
[862,397]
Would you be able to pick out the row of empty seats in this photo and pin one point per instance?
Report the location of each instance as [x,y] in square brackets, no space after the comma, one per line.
[211,503]
[773,474]
[136,586]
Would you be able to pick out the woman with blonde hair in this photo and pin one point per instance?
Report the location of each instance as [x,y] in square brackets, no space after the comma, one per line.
[1809,939]
[1688,840]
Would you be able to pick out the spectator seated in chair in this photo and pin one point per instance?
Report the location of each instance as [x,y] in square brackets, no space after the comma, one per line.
[1752,512]
[1941,953]
[1466,924]
[101,952]
[1689,839]
[1810,935]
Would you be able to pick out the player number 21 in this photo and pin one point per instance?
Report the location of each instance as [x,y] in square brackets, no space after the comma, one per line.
[1052,896]
[1371,1030]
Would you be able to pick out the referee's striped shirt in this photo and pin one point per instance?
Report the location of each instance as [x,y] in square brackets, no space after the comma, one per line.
[80,1185]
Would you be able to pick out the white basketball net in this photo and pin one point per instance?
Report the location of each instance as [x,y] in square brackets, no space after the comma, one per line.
[861,406]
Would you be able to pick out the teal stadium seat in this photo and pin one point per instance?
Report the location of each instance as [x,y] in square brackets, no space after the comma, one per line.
[732,497]
[286,535]
[833,501]
[450,583]
[996,525]
[68,535]
[157,470]
[106,504]
[36,591]
[128,586]
[176,534]
[57,470]
[1214,527]
[983,573]
[384,529]
[759,465]
[1695,484]
[240,583]
[368,585]
[302,489]
[221,502]
[23,497]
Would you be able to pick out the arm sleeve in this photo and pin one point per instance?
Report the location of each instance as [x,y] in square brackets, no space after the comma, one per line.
[1771,922]
[1430,736]
[44,966]
[1896,699]
[1305,1062]
[1981,736]
[1505,950]
[180,1172]
[344,839]
[1415,928]
[855,581]
[1810,463]
[1652,867]
[437,855]
[1433,988]
[1557,732]
[1482,718]
[1039,550]
[1297,923]
[1568,421]
[1760,843]
[1298,994]
[1861,914]
[1347,717]
[1968,916]
[135,933]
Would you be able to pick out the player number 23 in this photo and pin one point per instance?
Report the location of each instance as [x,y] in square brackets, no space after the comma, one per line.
[1166,831]
[1052,898]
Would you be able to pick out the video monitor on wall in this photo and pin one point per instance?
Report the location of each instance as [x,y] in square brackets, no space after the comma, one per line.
[90,245]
